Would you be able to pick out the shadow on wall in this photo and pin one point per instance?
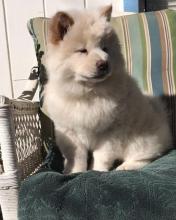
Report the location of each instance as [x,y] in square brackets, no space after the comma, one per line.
[154,5]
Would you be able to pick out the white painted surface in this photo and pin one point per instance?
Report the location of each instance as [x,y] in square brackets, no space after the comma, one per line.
[52,6]
[5,80]
[118,6]
[17,54]
[91,4]
[19,86]
[22,53]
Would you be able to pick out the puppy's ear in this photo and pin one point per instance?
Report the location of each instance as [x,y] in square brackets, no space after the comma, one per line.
[59,26]
[106,12]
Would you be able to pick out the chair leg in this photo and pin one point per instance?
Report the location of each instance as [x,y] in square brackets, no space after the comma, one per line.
[9,204]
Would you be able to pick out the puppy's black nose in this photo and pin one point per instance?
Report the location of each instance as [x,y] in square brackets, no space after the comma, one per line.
[102,65]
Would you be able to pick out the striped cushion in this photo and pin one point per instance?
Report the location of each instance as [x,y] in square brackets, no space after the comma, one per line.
[148,42]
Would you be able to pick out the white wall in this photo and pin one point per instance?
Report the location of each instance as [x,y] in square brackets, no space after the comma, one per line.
[17,54]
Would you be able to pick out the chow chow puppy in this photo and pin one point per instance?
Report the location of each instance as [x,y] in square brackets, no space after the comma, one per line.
[95,105]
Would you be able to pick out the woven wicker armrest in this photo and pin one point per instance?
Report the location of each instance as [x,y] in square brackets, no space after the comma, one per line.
[20,136]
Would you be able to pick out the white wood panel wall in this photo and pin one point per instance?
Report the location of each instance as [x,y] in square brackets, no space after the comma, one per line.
[17,54]
[52,6]
[5,73]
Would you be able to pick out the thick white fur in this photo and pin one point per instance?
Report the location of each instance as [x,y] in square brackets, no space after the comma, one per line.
[110,117]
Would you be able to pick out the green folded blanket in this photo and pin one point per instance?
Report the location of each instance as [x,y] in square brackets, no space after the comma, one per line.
[145,194]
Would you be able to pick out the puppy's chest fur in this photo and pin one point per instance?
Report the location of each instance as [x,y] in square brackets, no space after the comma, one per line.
[87,118]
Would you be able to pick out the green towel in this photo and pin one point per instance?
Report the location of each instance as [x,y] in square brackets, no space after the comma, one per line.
[145,194]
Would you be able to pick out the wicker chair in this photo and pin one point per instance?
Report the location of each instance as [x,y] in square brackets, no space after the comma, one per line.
[21,151]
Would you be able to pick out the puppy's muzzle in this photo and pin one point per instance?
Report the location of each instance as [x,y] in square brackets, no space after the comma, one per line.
[102,68]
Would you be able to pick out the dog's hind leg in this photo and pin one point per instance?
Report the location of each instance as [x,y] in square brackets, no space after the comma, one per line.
[132,165]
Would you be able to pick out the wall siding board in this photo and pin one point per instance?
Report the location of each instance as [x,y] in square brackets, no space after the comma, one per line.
[56,5]
[6,87]
[118,5]
[95,4]
[22,54]
[19,86]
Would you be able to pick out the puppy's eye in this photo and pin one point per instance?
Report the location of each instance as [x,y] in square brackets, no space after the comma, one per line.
[105,49]
[82,50]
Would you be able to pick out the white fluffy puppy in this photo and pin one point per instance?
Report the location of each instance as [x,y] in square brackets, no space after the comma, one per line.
[95,105]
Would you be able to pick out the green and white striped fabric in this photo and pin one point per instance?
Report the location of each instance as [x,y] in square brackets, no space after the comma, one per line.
[148,42]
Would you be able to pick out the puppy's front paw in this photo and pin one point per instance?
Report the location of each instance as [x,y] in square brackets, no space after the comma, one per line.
[66,171]
[122,167]
[70,168]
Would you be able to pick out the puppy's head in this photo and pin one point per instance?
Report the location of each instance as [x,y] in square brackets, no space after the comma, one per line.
[81,46]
